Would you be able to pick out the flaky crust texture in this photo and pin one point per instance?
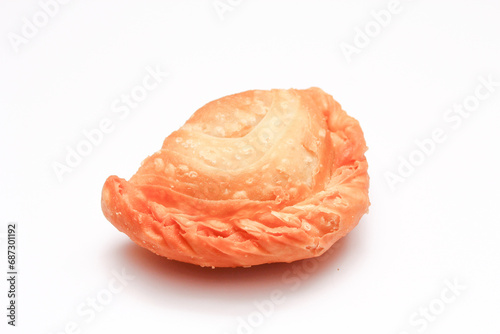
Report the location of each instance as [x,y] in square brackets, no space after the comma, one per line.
[252,178]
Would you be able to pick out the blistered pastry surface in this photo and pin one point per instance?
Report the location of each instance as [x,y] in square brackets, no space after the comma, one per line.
[251,178]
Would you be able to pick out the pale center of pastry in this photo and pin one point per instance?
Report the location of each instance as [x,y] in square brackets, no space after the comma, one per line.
[274,157]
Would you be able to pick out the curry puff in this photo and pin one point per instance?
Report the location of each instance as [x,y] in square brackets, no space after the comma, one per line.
[251,178]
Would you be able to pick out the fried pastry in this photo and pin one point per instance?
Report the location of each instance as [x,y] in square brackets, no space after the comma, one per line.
[251,178]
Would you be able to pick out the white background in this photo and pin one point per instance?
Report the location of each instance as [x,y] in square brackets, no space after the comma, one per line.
[440,225]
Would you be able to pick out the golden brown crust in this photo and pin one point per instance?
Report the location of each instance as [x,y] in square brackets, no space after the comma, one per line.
[251,178]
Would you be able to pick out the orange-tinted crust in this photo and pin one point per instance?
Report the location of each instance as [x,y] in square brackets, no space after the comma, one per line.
[251,178]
